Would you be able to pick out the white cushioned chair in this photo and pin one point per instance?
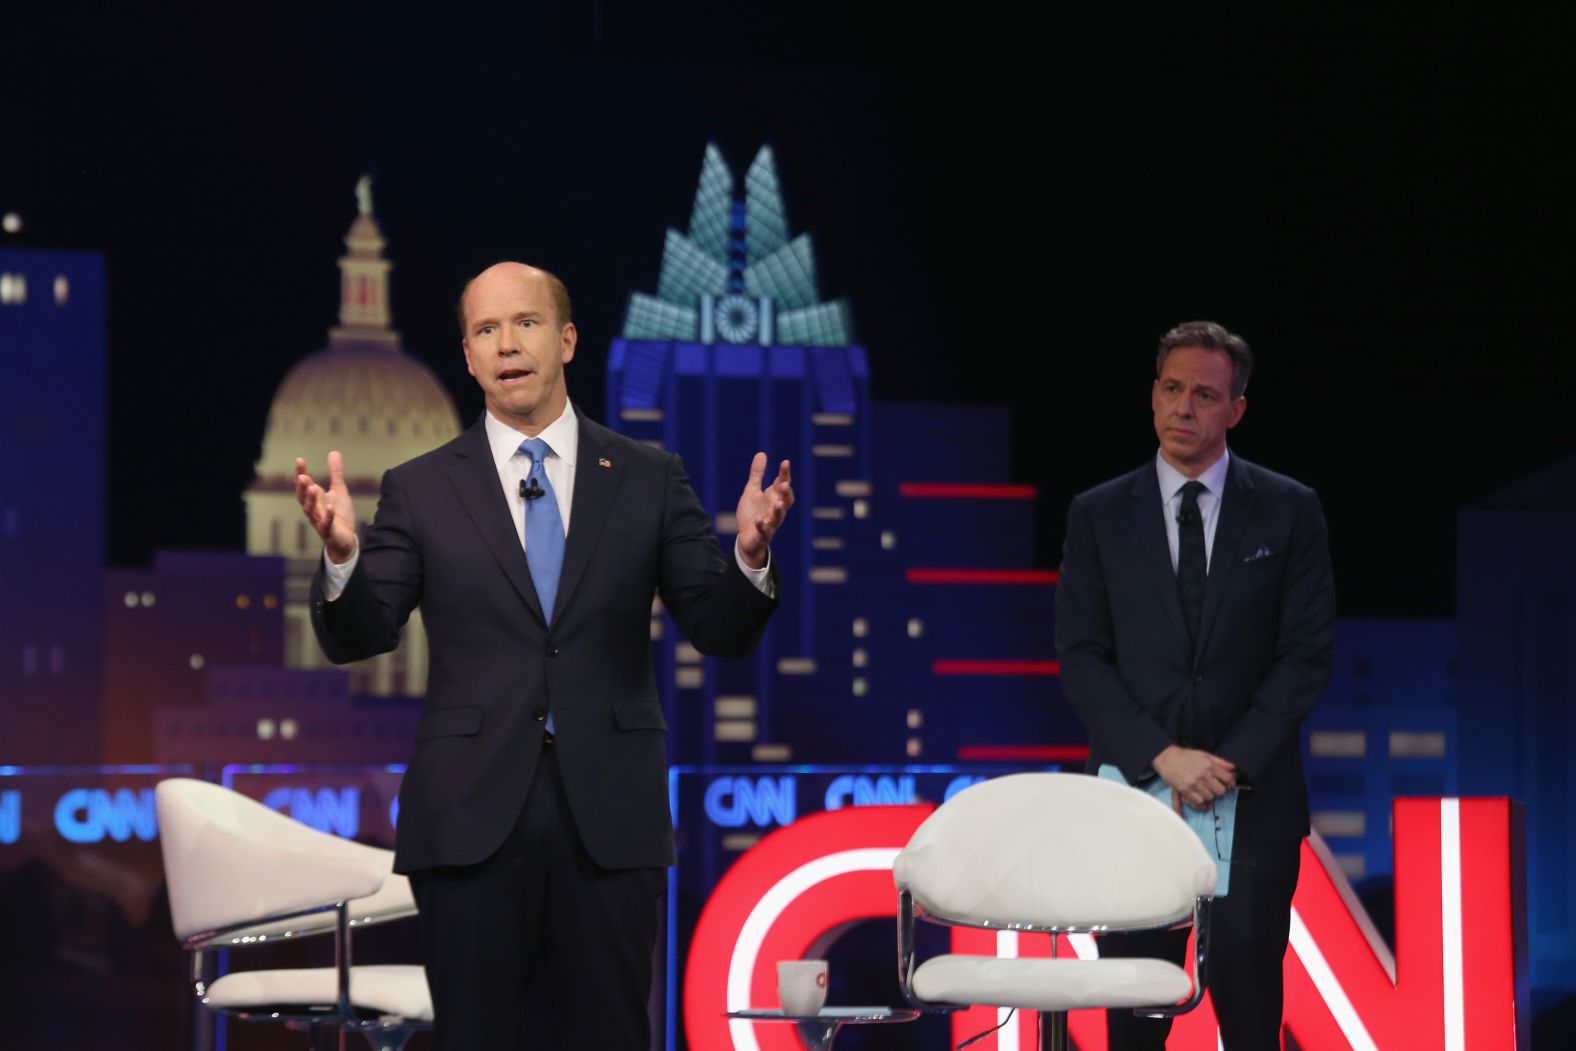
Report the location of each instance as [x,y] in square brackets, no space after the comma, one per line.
[1059,854]
[241,875]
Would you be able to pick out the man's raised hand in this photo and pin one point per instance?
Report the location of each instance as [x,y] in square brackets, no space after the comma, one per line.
[330,511]
[762,510]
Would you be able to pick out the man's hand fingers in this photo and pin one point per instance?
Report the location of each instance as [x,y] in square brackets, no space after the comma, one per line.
[776,508]
[336,470]
[757,472]
[315,505]
[320,511]
[781,489]
[780,493]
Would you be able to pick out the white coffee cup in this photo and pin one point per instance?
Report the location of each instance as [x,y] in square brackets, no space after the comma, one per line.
[801,986]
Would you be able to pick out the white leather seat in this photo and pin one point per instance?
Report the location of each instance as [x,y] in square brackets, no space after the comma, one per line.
[398,990]
[1051,985]
[1053,853]
[242,875]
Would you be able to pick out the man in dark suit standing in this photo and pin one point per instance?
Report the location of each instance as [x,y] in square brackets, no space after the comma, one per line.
[1194,621]
[533,816]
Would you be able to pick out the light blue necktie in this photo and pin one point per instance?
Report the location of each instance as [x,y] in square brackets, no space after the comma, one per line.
[544,533]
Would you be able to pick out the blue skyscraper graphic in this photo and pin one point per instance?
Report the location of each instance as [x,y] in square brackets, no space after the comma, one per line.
[912,625]
[52,446]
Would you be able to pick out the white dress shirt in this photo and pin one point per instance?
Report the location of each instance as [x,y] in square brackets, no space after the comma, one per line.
[1171,483]
[563,438]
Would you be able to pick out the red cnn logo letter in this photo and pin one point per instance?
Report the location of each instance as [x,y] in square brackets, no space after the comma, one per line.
[1458,883]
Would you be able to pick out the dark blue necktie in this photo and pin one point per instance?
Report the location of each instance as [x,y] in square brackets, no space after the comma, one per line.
[1192,562]
[544,528]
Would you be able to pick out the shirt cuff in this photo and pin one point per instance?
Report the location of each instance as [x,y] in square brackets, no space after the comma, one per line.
[336,577]
[761,578]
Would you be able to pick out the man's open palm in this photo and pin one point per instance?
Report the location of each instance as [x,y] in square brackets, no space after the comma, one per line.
[330,511]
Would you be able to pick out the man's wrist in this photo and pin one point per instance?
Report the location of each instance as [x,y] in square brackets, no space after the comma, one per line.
[757,561]
[337,577]
[760,576]
[747,564]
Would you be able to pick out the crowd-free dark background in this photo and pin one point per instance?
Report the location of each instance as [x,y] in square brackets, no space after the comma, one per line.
[1017,200]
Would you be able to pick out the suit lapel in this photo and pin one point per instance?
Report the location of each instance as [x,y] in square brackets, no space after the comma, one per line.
[475,479]
[596,483]
[1155,549]
[1236,509]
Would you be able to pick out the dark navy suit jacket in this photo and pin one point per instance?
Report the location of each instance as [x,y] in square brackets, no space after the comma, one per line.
[444,539]
[1265,636]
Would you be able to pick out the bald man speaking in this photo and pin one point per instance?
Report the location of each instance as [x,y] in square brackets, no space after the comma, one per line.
[534,818]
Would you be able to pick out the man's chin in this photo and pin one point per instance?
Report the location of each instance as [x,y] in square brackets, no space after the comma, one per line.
[517,404]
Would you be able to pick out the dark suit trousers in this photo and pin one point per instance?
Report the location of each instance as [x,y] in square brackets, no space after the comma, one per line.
[1247,947]
[537,946]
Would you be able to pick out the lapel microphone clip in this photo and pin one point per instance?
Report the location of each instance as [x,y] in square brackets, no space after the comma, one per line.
[531,492]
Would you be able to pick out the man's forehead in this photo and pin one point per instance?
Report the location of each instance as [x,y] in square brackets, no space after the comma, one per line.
[1203,362]
[521,291]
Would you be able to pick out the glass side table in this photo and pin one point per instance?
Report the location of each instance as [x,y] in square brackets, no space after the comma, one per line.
[819,1030]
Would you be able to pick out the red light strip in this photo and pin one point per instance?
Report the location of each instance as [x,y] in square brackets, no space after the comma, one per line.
[956,667]
[1039,577]
[943,491]
[1024,753]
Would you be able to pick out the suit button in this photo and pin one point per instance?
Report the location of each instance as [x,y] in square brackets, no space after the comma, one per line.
[1198,678]
[552,651]
[540,715]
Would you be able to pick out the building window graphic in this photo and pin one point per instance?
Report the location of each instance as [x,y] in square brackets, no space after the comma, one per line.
[13,289]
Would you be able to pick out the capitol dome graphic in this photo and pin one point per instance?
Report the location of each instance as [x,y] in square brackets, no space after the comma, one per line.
[364,396]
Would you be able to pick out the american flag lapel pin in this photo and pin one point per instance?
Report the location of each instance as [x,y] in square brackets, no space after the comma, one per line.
[603,461]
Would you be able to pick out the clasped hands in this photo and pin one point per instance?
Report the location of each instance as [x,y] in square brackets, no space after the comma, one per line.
[1196,777]
[760,512]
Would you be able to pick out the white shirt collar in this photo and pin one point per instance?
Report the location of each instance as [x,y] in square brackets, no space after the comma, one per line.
[1171,479]
[562,436]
